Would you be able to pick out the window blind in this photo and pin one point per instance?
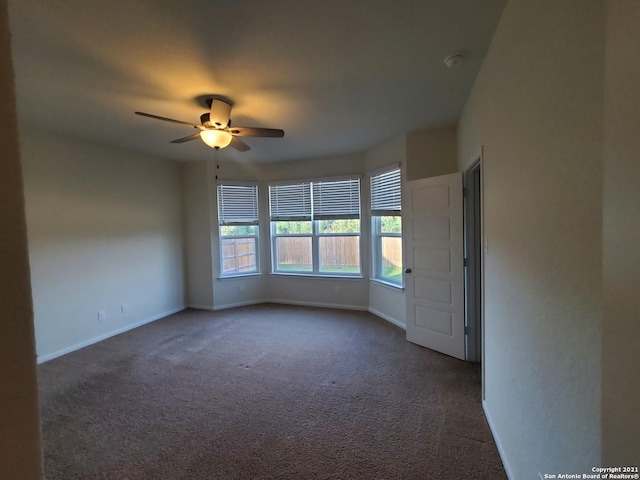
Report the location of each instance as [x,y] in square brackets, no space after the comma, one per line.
[338,199]
[290,202]
[238,204]
[386,198]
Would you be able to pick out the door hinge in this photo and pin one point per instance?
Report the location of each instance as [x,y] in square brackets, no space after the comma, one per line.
[465,192]
[466,330]
[465,262]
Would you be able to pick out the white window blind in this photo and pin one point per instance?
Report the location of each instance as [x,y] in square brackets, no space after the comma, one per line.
[290,202]
[386,193]
[238,204]
[337,199]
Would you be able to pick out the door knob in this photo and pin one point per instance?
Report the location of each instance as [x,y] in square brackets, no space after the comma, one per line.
[408,270]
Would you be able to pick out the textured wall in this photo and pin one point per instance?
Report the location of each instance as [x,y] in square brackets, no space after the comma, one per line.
[198,211]
[431,152]
[105,229]
[621,223]
[537,107]
[20,457]
[383,300]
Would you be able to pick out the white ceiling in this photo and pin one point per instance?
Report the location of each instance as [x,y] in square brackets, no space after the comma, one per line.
[337,75]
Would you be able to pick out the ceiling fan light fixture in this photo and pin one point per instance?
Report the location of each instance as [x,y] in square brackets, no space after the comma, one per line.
[216,138]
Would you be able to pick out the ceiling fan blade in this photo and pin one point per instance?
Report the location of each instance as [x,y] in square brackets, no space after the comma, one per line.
[220,112]
[168,119]
[256,132]
[186,139]
[239,144]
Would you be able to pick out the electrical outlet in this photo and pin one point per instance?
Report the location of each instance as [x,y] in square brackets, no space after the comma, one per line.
[124,308]
[101,315]
[241,288]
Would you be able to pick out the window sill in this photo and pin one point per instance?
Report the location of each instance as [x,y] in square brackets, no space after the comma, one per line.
[238,276]
[389,285]
[317,276]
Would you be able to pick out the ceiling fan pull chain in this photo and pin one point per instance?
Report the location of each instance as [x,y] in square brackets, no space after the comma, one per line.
[217,162]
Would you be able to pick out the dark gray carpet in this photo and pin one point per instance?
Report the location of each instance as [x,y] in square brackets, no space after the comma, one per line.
[268,392]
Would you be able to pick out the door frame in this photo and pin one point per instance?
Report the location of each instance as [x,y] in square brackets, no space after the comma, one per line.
[473,179]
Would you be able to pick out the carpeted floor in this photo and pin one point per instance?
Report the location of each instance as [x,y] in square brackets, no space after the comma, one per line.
[264,392]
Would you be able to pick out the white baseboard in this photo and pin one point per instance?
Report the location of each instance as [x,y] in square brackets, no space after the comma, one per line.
[389,319]
[201,307]
[317,304]
[86,343]
[234,305]
[501,452]
[301,304]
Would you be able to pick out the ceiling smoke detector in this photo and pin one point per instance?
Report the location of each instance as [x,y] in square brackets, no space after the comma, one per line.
[454,61]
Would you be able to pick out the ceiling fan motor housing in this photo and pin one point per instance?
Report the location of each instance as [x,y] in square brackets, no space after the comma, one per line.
[204,119]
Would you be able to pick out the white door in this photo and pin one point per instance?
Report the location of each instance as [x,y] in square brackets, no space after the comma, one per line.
[434,271]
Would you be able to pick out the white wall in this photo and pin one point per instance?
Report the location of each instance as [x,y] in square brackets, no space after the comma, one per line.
[105,229]
[20,453]
[621,223]
[197,210]
[330,166]
[537,106]
[385,301]
[431,152]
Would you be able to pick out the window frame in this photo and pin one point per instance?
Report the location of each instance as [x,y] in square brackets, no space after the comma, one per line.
[318,235]
[255,223]
[377,235]
[274,248]
[315,233]
[376,253]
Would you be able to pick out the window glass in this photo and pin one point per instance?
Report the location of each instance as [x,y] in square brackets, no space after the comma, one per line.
[238,255]
[340,254]
[238,229]
[293,228]
[315,227]
[351,225]
[293,254]
[391,225]
[386,226]
[391,259]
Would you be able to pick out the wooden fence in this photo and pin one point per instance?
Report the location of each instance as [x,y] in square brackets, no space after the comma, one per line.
[391,252]
[294,250]
[335,251]
[339,251]
[238,255]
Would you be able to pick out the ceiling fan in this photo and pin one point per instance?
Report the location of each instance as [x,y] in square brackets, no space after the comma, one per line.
[215,128]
